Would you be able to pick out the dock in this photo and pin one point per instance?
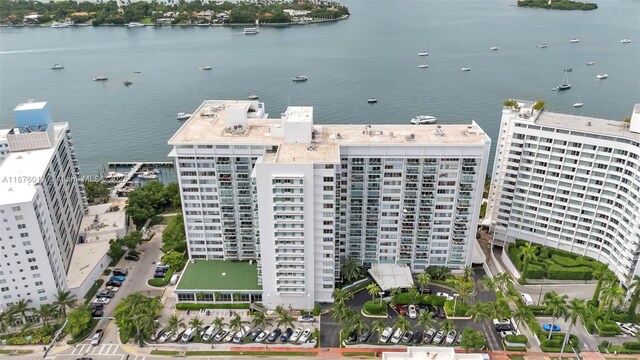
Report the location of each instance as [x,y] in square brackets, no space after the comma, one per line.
[121,186]
[142,163]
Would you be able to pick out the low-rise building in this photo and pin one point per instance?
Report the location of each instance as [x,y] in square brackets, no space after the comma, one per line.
[431,353]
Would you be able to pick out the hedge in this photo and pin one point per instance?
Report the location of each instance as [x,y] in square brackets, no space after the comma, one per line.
[517,339]
[155,282]
[607,329]
[374,308]
[631,345]
[404,299]
[92,291]
[563,273]
[534,272]
[461,308]
[167,276]
[94,322]
[192,306]
[539,310]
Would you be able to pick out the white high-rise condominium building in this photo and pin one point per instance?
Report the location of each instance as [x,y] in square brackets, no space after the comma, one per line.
[41,206]
[299,198]
[569,182]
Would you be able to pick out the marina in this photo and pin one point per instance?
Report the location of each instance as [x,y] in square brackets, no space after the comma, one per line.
[124,182]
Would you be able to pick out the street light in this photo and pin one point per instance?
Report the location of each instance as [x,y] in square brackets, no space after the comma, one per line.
[540,295]
[309,303]
[455,300]
[381,293]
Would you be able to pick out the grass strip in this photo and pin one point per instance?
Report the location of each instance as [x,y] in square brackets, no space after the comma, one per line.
[92,291]
[355,353]
[165,352]
[254,353]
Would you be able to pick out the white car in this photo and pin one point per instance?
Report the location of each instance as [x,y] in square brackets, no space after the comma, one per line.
[412,312]
[445,295]
[504,321]
[112,288]
[386,334]
[165,335]
[397,336]
[263,335]
[305,336]
[504,334]
[439,337]
[296,335]
[188,335]
[239,336]
[451,337]
[95,340]
[220,335]
[104,301]
[211,332]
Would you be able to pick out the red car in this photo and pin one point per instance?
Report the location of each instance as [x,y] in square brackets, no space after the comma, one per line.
[401,310]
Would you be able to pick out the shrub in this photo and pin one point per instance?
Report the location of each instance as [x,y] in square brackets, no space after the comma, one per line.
[535,272]
[192,306]
[374,308]
[106,272]
[635,345]
[544,253]
[92,291]
[155,282]
[610,328]
[433,300]
[562,273]
[538,105]
[517,339]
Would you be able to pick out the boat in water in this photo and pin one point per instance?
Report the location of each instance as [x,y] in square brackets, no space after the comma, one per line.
[300,78]
[565,83]
[137,71]
[60,25]
[423,53]
[115,175]
[100,78]
[183,116]
[493,48]
[574,41]
[578,104]
[127,83]
[253,97]
[423,120]
[251,31]
[464,68]
[590,62]
[207,68]
[147,175]
[568,69]
[57,66]
[544,44]
[625,41]
[372,100]
[602,76]
[135,25]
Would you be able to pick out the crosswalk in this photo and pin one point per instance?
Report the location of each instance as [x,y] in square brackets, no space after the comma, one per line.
[104,349]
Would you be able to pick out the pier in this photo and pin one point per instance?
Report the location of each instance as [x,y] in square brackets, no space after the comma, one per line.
[141,163]
[122,184]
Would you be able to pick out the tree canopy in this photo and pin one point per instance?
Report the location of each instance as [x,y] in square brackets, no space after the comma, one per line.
[135,316]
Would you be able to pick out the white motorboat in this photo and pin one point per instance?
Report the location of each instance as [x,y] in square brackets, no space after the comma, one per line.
[148,175]
[300,78]
[423,66]
[602,76]
[57,66]
[135,25]
[251,31]
[423,120]
[207,68]
[574,41]
[423,53]
[253,97]
[590,62]
[100,78]
[493,48]
[578,104]
[60,25]
[464,68]
[625,41]
[183,116]
[372,100]
[115,174]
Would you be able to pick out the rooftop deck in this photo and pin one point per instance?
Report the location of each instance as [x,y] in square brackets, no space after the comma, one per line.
[586,124]
[219,275]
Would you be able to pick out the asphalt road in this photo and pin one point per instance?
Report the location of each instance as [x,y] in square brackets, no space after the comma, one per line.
[330,329]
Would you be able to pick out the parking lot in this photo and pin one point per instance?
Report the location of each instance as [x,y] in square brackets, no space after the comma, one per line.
[329,336]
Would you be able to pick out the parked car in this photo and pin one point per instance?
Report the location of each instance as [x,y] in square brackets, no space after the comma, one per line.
[157,334]
[95,306]
[412,312]
[296,335]
[220,335]
[263,335]
[440,313]
[458,338]
[189,334]
[397,335]
[114,283]
[132,257]
[101,301]
[439,337]
[176,335]
[209,333]
[417,337]
[274,335]
[428,336]
[165,336]
[365,335]
[504,334]
[306,318]
[120,272]
[407,336]
[112,288]
[286,335]
[254,334]
[118,278]
[158,275]
[306,334]
[105,294]
[353,336]
[451,337]
[204,330]
[503,327]
[97,313]
[95,340]
[229,336]
[386,334]
[400,310]
[547,327]
[239,336]
[444,295]
[503,321]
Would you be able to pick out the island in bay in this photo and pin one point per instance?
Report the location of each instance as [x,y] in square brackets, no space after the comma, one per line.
[557,4]
[70,13]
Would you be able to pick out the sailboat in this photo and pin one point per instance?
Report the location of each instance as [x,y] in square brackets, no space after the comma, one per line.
[565,83]
[372,99]
[423,65]
[58,66]
[424,53]
[544,44]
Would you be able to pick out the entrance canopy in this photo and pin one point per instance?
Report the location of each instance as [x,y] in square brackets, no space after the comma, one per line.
[390,276]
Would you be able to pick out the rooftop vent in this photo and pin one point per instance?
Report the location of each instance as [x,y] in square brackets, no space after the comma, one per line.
[439,131]
[410,137]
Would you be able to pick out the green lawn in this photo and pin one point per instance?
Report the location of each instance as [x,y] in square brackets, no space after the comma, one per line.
[362,354]
[516,357]
[219,275]
[252,353]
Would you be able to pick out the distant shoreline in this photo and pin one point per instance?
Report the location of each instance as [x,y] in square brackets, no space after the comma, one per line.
[344,17]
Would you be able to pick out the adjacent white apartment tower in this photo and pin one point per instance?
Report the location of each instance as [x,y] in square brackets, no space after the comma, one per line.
[569,182]
[299,198]
[41,206]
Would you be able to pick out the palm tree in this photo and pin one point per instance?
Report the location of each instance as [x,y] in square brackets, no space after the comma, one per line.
[413,295]
[600,272]
[423,280]
[237,323]
[393,293]
[464,289]
[378,326]
[575,310]
[557,306]
[175,323]
[503,280]
[355,323]
[635,295]
[468,273]
[447,325]
[527,253]
[522,315]
[218,323]
[611,294]
[196,323]
[426,320]
[260,320]
[46,312]
[64,301]
[339,297]
[21,308]
[479,311]
[351,269]
[4,321]
[283,320]
[373,290]
[25,328]
[402,323]
[488,284]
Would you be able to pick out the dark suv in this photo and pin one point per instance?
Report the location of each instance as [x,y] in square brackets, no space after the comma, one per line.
[120,272]
[132,257]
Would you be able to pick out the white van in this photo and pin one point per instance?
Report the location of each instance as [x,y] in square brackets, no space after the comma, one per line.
[526,299]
